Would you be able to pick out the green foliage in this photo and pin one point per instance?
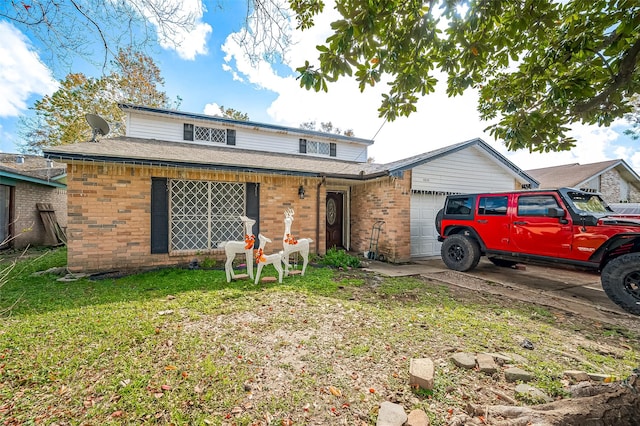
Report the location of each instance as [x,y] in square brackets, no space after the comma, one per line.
[539,66]
[208,263]
[340,259]
[234,114]
[186,347]
[60,118]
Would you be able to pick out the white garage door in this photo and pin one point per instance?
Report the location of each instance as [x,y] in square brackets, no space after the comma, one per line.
[424,237]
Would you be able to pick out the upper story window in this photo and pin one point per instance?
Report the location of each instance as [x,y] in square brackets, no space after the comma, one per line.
[209,134]
[206,134]
[320,148]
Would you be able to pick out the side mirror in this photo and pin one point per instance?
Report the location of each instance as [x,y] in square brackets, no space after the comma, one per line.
[559,213]
[555,212]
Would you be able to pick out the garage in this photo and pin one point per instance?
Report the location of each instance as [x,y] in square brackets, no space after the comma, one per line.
[469,167]
[424,238]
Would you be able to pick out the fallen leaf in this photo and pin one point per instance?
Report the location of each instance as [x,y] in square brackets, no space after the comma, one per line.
[170,368]
[372,390]
[185,374]
[125,382]
[335,391]
[117,413]
[165,387]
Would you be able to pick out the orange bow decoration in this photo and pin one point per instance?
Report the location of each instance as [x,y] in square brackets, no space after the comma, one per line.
[260,256]
[249,240]
[291,240]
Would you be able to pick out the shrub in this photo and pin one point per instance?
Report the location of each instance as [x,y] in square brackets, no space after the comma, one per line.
[340,259]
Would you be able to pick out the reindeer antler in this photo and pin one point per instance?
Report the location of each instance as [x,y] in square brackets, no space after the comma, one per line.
[289,213]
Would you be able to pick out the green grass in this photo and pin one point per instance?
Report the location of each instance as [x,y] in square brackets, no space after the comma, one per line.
[186,347]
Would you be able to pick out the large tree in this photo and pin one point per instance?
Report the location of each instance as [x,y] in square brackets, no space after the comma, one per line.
[59,118]
[539,65]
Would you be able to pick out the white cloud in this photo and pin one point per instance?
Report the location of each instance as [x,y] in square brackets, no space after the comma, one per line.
[212,109]
[22,74]
[187,42]
[439,120]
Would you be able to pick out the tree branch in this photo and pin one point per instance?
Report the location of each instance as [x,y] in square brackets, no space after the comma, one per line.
[624,75]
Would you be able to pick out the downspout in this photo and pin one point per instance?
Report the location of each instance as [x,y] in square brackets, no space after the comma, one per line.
[318,214]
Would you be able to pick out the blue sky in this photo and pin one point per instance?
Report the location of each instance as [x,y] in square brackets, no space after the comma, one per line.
[209,69]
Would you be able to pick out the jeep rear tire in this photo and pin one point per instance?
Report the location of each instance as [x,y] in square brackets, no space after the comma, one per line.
[460,252]
[621,282]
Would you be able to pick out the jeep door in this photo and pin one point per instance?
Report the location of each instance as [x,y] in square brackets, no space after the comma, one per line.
[535,230]
[492,221]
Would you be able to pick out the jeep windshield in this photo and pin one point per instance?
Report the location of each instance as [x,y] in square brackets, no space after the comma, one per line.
[589,203]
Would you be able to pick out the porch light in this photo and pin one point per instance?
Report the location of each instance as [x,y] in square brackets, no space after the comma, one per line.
[301,192]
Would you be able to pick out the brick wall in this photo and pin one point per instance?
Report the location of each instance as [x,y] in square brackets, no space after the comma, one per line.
[28,228]
[610,188]
[109,216]
[387,199]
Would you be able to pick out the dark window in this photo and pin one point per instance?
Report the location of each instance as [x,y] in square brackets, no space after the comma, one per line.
[303,146]
[188,132]
[494,206]
[536,205]
[460,205]
[332,150]
[159,216]
[231,137]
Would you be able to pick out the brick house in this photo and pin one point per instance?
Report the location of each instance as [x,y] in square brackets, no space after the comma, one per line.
[615,180]
[25,181]
[173,187]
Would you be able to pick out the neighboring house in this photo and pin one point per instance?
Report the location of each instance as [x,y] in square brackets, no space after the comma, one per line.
[25,181]
[614,179]
[173,188]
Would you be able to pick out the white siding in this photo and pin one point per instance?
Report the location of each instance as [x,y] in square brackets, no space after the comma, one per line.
[149,127]
[171,129]
[469,170]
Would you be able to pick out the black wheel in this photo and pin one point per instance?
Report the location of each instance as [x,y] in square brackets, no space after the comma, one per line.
[621,281]
[460,252]
[439,221]
[502,262]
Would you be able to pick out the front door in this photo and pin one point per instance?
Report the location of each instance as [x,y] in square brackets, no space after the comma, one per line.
[334,219]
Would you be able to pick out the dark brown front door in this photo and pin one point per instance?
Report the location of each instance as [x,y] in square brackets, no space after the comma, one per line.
[334,219]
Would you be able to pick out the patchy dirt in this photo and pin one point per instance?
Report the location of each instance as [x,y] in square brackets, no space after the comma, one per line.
[333,363]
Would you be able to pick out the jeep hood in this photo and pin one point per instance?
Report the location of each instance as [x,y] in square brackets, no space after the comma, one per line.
[621,219]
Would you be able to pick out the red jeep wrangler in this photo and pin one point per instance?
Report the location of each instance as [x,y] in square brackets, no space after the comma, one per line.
[564,226]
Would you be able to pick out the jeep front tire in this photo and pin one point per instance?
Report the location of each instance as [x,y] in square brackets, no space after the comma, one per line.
[621,282]
[460,252]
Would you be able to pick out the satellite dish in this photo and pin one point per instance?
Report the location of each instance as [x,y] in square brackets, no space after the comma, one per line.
[98,125]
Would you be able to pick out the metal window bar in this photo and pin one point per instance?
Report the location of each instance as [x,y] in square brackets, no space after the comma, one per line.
[204,214]
[208,134]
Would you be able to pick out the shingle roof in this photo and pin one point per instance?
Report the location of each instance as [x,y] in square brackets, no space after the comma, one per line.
[33,166]
[572,175]
[156,152]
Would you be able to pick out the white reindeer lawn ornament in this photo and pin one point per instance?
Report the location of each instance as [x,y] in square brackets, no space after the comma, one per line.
[274,259]
[231,248]
[291,245]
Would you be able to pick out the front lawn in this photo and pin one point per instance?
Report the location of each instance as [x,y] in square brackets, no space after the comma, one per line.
[179,346]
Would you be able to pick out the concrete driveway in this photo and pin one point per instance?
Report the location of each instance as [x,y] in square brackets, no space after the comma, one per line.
[575,292]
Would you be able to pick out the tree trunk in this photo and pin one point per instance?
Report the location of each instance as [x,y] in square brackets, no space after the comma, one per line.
[594,405]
